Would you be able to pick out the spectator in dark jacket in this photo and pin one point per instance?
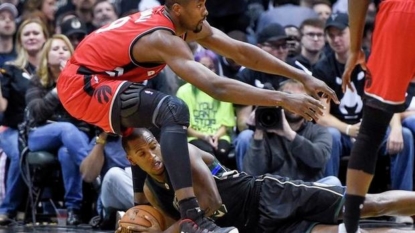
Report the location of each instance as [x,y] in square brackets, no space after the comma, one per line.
[52,128]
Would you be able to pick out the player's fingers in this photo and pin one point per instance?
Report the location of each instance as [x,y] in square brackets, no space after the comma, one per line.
[333,96]
[152,221]
[363,66]
[315,106]
[346,79]
[314,94]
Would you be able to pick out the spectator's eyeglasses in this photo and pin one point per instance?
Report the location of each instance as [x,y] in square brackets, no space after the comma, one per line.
[276,46]
[313,35]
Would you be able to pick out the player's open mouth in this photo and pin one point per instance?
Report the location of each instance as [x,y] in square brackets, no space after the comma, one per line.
[158,165]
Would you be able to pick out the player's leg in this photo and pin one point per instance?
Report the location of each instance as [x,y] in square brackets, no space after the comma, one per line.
[390,203]
[144,107]
[335,229]
[363,161]
[307,202]
[391,68]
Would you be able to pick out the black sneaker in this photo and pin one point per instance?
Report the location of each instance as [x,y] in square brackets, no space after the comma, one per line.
[201,224]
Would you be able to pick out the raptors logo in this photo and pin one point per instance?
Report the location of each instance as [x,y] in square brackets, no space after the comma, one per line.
[102,94]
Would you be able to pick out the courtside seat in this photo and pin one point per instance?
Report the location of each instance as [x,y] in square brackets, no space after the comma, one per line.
[39,170]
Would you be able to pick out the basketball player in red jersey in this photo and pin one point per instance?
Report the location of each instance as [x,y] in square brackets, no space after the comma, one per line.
[99,85]
[390,68]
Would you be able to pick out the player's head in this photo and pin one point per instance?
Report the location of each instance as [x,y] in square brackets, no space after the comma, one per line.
[143,150]
[338,33]
[190,14]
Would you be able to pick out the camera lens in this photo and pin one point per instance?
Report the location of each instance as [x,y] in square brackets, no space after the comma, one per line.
[268,118]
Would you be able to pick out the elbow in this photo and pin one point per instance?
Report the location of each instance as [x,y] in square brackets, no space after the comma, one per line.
[217,90]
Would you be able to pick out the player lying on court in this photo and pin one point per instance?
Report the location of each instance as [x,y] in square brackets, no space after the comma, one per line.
[266,203]
[100,85]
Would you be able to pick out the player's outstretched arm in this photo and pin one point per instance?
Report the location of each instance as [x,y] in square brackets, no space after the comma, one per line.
[175,52]
[255,58]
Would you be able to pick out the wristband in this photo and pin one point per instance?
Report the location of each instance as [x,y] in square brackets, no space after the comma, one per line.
[99,140]
[348,129]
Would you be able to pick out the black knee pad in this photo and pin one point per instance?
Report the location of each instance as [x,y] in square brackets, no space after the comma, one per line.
[173,111]
[371,135]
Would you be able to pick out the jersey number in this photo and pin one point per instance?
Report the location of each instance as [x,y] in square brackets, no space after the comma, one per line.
[119,22]
[116,24]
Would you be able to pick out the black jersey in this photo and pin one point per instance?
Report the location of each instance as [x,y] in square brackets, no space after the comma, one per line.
[239,193]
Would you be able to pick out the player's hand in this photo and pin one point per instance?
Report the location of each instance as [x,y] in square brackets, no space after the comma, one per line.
[304,105]
[354,59]
[154,228]
[315,86]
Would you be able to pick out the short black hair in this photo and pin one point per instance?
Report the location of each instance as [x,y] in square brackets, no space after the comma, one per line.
[135,134]
[314,22]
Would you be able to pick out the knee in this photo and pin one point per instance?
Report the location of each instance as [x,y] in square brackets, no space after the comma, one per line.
[111,177]
[66,127]
[335,134]
[174,111]
[63,155]
[244,137]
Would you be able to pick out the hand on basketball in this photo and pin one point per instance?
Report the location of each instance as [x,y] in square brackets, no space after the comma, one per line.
[304,105]
[315,86]
[354,59]
[154,228]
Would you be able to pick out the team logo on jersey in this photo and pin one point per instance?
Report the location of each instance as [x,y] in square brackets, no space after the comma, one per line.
[151,73]
[102,94]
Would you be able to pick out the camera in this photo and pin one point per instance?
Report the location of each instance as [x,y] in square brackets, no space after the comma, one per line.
[268,118]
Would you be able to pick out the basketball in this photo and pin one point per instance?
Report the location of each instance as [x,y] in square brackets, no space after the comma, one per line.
[135,217]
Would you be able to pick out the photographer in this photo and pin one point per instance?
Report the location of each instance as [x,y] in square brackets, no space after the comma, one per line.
[291,147]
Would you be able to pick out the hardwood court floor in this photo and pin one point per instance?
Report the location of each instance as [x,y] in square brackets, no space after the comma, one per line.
[369,224]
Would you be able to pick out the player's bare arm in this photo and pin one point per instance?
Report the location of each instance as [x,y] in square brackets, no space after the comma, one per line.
[254,58]
[174,51]
[204,184]
[357,18]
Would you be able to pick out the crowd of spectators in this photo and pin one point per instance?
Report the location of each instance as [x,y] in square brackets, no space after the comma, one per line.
[36,36]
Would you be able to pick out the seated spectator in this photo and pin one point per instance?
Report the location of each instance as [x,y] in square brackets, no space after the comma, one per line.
[344,119]
[273,40]
[106,155]
[104,12]
[312,44]
[293,41]
[322,8]
[74,29]
[292,147]
[44,9]
[8,14]
[210,119]
[15,76]
[228,67]
[51,128]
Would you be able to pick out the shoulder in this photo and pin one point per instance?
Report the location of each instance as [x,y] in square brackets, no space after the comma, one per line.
[317,129]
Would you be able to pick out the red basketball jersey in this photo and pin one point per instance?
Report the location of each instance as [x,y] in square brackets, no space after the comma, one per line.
[108,50]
